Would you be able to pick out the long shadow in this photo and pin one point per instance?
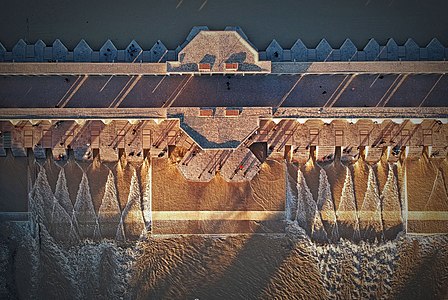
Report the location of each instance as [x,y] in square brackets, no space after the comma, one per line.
[251,270]
[422,284]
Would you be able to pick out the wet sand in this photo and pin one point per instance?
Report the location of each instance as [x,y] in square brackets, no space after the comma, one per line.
[171,21]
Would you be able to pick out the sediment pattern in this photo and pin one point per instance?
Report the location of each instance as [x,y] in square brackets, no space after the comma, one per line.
[34,265]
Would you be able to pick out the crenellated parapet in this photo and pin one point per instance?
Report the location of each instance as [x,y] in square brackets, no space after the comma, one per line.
[158,53]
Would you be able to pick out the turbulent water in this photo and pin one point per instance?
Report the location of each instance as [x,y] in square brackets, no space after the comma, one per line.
[105,250]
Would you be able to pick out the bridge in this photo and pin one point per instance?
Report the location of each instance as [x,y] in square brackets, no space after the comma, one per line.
[228,112]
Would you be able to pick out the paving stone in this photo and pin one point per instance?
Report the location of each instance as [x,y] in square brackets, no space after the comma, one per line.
[436,50]
[39,50]
[372,50]
[59,51]
[323,50]
[299,52]
[108,52]
[19,51]
[348,50]
[82,52]
[412,50]
[392,50]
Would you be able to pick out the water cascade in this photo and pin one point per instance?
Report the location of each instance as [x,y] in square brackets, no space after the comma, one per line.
[346,213]
[132,224]
[391,208]
[326,208]
[307,215]
[46,210]
[62,195]
[84,211]
[109,212]
[291,200]
[370,214]
[147,198]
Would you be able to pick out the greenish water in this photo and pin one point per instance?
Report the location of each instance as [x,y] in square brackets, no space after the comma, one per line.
[262,20]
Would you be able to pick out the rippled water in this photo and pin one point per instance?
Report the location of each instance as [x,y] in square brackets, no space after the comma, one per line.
[171,20]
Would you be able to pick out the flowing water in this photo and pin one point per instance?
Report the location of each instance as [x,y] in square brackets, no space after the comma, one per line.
[75,248]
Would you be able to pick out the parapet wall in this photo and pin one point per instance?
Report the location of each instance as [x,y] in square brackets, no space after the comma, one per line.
[299,52]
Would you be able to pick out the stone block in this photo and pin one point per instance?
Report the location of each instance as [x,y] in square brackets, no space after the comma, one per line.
[299,52]
[423,54]
[2,52]
[39,50]
[133,52]
[170,55]
[274,52]
[241,33]
[392,50]
[82,52]
[325,153]
[436,51]
[95,56]
[108,52]
[158,52]
[372,50]
[412,50]
[323,50]
[59,51]
[311,54]
[19,51]
[48,53]
[383,53]
[348,50]
[39,153]
[29,51]
[401,52]
[146,56]
[121,55]
[373,154]
[8,56]
[336,55]
[361,55]
[194,31]
[414,152]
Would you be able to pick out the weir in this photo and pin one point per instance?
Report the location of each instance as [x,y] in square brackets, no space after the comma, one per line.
[221,140]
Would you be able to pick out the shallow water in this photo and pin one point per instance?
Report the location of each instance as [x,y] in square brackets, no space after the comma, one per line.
[171,20]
